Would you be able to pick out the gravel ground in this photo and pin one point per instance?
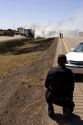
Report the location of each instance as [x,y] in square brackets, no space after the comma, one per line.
[22,92]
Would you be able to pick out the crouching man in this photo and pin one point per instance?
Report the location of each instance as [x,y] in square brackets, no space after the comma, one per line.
[59,85]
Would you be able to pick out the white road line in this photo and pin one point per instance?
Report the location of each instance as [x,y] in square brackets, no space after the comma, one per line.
[58,51]
[65,46]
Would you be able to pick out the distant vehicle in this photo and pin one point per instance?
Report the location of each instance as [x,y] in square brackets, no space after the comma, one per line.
[61,35]
[26,32]
[75,59]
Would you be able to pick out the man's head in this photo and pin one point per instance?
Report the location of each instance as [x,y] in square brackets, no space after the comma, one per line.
[62,60]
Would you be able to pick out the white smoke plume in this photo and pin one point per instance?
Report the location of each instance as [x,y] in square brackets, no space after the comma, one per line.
[70,26]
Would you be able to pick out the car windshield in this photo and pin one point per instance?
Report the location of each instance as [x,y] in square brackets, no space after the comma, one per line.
[79,48]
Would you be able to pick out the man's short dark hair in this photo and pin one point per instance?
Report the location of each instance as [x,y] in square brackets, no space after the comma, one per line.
[62,59]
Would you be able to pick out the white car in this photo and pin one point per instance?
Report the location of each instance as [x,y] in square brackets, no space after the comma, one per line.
[75,59]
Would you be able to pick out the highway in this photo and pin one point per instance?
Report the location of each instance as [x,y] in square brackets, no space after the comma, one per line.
[64,46]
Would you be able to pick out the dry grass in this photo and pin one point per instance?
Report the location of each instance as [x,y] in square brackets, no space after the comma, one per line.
[9,62]
[14,56]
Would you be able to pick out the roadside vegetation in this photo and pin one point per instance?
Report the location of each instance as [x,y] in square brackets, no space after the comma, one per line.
[15,54]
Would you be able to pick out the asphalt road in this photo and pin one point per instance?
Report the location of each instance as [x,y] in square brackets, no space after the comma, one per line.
[77,118]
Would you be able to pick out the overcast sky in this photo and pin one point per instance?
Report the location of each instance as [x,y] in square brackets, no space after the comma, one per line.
[60,14]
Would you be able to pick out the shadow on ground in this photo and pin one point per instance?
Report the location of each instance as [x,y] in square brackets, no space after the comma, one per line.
[74,120]
[16,47]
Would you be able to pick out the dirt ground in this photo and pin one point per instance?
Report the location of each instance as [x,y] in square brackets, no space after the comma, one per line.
[22,91]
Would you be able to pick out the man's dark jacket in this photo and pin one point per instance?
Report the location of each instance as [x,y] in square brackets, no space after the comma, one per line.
[60,82]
